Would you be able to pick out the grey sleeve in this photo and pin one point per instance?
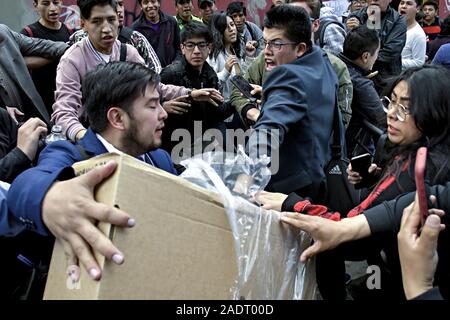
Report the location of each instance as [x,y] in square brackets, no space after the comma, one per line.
[39,47]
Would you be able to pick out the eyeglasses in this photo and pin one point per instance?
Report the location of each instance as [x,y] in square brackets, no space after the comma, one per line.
[400,110]
[200,45]
[276,45]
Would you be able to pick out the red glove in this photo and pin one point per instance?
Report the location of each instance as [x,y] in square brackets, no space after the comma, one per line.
[306,207]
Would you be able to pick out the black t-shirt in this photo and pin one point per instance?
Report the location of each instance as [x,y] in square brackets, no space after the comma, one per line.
[44,78]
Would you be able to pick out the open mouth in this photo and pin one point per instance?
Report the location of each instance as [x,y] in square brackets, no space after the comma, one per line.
[270,65]
[402,12]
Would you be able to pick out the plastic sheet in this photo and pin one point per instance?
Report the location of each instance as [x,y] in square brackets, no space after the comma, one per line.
[267,251]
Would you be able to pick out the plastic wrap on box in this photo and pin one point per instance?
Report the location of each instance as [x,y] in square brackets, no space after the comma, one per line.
[267,251]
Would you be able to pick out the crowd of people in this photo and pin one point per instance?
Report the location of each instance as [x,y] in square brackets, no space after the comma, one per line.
[374,80]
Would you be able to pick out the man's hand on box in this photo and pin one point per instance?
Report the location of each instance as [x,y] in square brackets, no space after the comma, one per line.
[70,212]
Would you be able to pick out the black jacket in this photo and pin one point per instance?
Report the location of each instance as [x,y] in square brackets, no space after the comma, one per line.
[12,160]
[385,219]
[180,73]
[166,42]
[393,39]
[365,105]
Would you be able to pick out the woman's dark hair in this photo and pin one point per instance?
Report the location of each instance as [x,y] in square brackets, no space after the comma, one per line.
[218,24]
[430,108]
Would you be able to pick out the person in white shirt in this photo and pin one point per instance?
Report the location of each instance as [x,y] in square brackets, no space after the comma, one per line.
[413,54]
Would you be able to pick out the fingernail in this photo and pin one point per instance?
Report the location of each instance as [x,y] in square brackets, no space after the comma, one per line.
[94,273]
[131,222]
[433,221]
[118,258]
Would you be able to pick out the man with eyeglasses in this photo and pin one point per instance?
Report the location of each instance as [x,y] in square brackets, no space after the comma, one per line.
[192,71]
[299,102]
[257,71]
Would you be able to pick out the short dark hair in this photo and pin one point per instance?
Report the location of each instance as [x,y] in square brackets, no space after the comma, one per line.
[236,7]
[114,84]
[87,5]
[359,40]
[431,3]
[294,20]
[195,29]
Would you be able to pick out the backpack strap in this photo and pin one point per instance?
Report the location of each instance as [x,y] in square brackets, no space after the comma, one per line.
[123,52]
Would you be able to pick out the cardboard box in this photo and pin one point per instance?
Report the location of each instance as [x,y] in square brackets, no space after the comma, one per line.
[180,248]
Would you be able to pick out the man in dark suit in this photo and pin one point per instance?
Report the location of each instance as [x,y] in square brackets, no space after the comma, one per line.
[125,114]
[299,99]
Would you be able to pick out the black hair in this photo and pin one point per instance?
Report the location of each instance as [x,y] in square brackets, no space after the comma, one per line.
[87,5]
[236,7]
[445,26]
[114,84]
[431,3]
[430,108]
[359,40]
[218,24]
[293,20]
[196,29]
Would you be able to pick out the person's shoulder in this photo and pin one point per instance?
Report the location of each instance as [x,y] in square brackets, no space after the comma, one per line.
[162,159]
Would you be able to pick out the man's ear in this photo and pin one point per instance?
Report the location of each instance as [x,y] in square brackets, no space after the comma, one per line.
[365,57]
[301,49]
[315,25]
[117,118]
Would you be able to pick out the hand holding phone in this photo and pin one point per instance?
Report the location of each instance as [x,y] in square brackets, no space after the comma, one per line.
[244,87]
[419,171]
[361,164]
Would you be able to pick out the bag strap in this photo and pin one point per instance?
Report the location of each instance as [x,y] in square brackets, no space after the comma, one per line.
[336,146]
[123,52]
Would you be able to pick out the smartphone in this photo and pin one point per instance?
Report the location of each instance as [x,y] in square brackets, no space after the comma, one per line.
[244,87]
[419,171]
[361,164]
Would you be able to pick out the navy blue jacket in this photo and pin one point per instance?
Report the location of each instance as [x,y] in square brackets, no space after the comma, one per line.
[299,100]
[27,192]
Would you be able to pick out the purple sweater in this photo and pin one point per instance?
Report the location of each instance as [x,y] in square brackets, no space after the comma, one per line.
[74,64]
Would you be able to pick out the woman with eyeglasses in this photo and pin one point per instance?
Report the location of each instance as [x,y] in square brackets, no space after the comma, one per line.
[417,105]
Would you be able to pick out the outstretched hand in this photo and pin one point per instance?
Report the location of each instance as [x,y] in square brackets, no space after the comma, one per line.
[70,212]
[208,94]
